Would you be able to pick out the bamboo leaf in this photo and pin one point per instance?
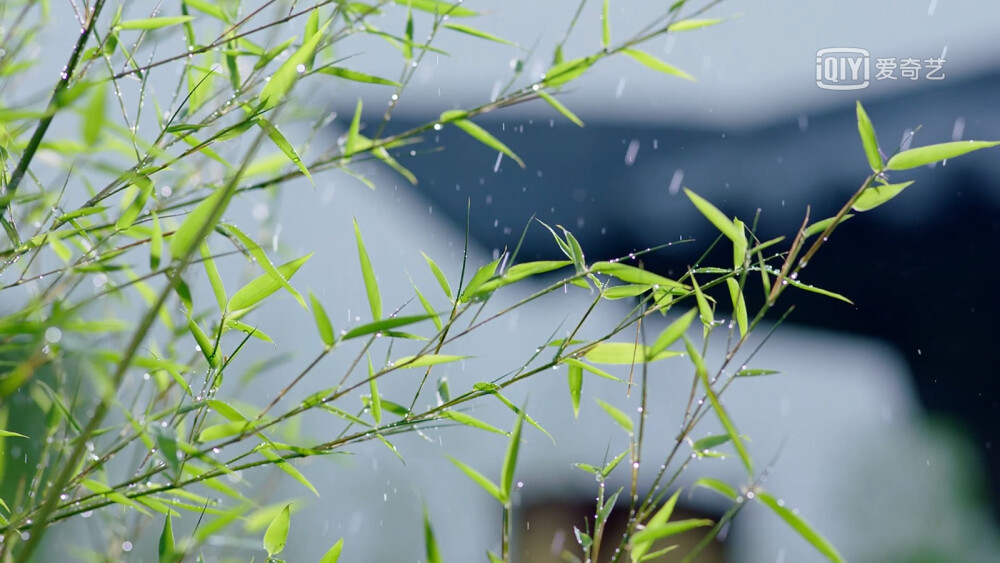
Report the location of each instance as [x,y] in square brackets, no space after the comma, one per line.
[717,218]
[552,101]
[376,402]
[261,287]
[154,23]
[322,322]
[93,117]
[277,532]
[868,139]
[430,544]
[284,78]
[214,279]
[631,274]
[383,325]
[356,76]
[669,529]
[820,226]
[438,7]
[208,213]
[564,72]
[618,416]
[333,554]
[739,305]
[368,274]
[875,196]
[641,548]
[112,495]
[656,64]
[605,26]
[468,30]
[484,137]
[673,332]
[155,242]
[480,479]
[166,546]
[426,360]
[145,189]
[479,278]
[801,526]
[718,486]
[575,386]
[930,154]
[687,25]
[510,460]
[469,420]
[261,258]
[282,143]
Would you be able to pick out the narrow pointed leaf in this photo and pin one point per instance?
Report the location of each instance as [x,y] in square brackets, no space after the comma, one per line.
[480,479]
[383,325]
[145,189]
[207,212]
[739,305]
[631,274]
[510,460]
[670,529]
[276,534]
[868,139]
[687,25]
[721,487]
[261,287]
[333,554]
[214,279]
[282,143]
[376,402]
[479,278]
[368,275]
[656,64]
[284,78]
[356,76]
[605,26]
[154,23]
[877,195]
[261,258]
[820,226]
[438,7]
[430,544]
[471,421]
[484,137]
[558,106]
[564,72]
[322,322]
[673,332]
[617,415]
[575,386]
[930,154]
[801,526]
[426,360]
[166,546]
[468,30]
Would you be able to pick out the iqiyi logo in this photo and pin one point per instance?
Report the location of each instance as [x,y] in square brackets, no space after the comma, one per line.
[843,68]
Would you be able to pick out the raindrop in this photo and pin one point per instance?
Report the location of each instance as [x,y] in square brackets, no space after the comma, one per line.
[630,154]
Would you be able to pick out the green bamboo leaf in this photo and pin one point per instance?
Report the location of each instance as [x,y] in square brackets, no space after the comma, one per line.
[510,460]
[144,189]
[8,433]
[605,26]
[333,554]
[650,535]
[521,271]
[592,369]
[208,8]
[821,291]
[564,72]
[382,154]
[687,25]
[214,279]
[284,78]
[207,213]
[641,548]
[322,322]
[625,291]
[709,442]
[718,486]
[480,479]
[428,308]
[552,101]
[277,532]
[469,420]
[484,137]
[433,553]
[261,258]
[261,287]
[479,278]
[107,492]
[656,64]
[469,30]
[155,242]
[166,546]
[739,305]
[933,153]
[376,402]
[575,387]
[289,469]
[312,28]
[801,526]
[720,412]
[875,196]
[494,389]
[282,143]
[356,76]
[265,58]
[249,330]
[820,226]
[631,274]
[166,446]
[493,557]
[438,7]
[755,372]
[717,218]
[673,332]
[383,325]
[618,416]
[624,353]
[408,35]
[204,344]
[426,360]
[368,274]
[154,23]
[221,430]
[93,116]
[868,139]
[704,309]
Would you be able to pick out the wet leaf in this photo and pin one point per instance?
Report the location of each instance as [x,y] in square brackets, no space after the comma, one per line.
[605,26]
[820,226]
[426,360]
[154,23]
[877,195]
[567,71]
[282,143]
[479,278]
[277,532]
[208,212]
[433,554]
[510,460]
[650,534]
[356,76]
[618,416]
[376,401]
[575,386]
[755,372]
[480,479]
[484,137]
[261,258]
[94,115]
[383,325]
[251,294]
[471,421]
[144,189]
[631,274]
[368,274]
[468,30]
[166,545]
[801,526]
[624,353]
[718,486]
[868,139]
[552,101]
[333,554]
[934,153]
[641,548]
[673,332]
[438,7]
[284,78]
[322,322]
[656,64]
[717,218]
[687,25]
[739,305]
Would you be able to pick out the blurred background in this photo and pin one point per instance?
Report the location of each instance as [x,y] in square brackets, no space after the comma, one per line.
[881,428]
